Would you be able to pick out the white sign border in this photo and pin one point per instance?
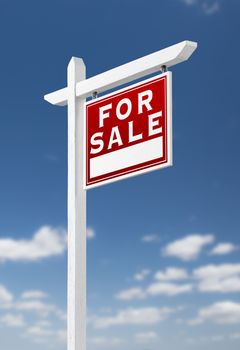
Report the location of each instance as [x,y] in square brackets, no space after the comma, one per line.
[169,133]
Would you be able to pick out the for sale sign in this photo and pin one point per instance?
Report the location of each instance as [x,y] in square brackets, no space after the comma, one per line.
[129,132]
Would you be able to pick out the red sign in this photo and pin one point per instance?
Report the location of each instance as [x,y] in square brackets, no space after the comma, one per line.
[129,131]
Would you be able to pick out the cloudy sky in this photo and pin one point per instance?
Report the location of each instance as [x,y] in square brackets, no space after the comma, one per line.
[164,247]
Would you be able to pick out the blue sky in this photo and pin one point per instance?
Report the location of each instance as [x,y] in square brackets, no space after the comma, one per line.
[163,248]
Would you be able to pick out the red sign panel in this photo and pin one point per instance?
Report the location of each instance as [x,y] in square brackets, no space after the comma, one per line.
[129,131]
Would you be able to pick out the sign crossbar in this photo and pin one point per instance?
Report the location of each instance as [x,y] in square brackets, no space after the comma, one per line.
[123,74]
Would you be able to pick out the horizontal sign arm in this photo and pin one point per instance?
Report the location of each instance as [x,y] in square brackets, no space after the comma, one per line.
[123,74]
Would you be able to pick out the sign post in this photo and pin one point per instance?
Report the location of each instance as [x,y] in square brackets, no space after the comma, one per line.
[76,313]
[156,135]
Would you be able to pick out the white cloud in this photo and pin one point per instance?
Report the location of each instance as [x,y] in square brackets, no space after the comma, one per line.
[146,337]
[162,287]
[190,2]
[171,274]
[150,238]
[169,289]
[225,312]
[11,320]
[234,336]
[30,304]
[105,341]
[209,7]
[223,248]
[6,297]
[223,278]
[41,333]
[189,247]
[34,294]
[140,276]
[131,294]
[133,316]
[37,306]
[91,234]
[46,242]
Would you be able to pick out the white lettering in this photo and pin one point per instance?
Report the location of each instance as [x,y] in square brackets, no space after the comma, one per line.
[128,103]
[144,99]
[103,115]
[153,122]
[95,141]
[115,137]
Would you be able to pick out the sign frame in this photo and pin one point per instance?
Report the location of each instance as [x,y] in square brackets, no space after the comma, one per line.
[139,169]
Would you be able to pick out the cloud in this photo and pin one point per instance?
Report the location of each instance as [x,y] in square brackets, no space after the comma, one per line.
[133,316]
[189,247]
[146,337]
[46,242]
[91,234]
[36,306]
[234,336]
[30,308]
[6,297]
[131,294]
[209,7]
[11,320]
[225,312]
[43,333]
[29,303]
[223,278]
[171,274]
[223,248]
[140,276]
[169,289]
[150,238]
[34,294]
[105,341]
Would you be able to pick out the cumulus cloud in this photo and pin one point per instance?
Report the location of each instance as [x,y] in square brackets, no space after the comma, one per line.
[28,303]
[146,337]
[11,320]
[91,234]
[133,316]
[105,341]
[36,306]
[46,241]
[225,312]
[189,247]
[223,249]
[140,276]
[171,274]
[209,7]
[223,278]
[6,297]
[234,336]
[34,294]
[44,333]
[131,294]
[169,289]
[19,311]
[150,238]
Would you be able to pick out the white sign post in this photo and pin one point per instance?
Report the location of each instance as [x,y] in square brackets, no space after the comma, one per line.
[74,96]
